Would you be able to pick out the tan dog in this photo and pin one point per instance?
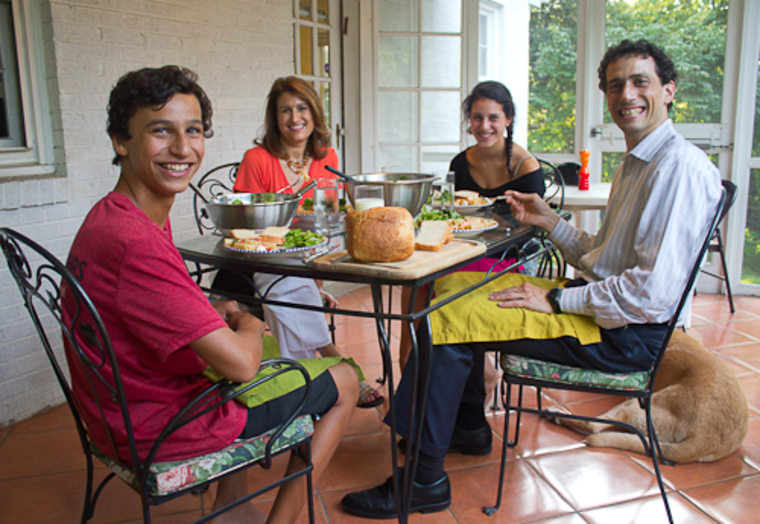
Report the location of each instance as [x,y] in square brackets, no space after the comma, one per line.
[698,408]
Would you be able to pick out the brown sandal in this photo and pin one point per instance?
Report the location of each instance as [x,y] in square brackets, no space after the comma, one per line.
[369,397]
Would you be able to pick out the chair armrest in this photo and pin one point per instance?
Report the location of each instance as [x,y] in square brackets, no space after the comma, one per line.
[224,391]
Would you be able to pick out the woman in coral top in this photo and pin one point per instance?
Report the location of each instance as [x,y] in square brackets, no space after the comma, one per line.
[294,150]
[295,147]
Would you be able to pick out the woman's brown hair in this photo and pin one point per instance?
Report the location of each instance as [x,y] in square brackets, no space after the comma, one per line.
[320,137]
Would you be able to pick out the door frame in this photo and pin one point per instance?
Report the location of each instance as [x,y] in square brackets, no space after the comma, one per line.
[746,16]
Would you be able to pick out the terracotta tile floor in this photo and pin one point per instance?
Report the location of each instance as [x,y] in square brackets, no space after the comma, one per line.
[552,476]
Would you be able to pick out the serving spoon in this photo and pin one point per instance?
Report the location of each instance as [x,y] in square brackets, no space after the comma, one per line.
[341,174]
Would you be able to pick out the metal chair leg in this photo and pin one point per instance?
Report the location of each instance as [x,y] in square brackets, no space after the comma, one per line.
[722,254]
[656,453]
[505,444]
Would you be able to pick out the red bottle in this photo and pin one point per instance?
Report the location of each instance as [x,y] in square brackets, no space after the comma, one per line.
[583,174]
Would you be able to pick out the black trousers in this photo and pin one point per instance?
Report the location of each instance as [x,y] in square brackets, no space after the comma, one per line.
[456,373]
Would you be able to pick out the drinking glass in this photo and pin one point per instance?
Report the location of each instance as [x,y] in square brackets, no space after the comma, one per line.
[443,191]
[327,207]
[368,196]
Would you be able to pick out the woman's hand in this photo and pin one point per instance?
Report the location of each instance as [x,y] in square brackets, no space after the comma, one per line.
[329,300]
[528,296]
[529,208]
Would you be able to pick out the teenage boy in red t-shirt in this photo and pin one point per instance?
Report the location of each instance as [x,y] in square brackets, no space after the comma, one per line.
[163,329]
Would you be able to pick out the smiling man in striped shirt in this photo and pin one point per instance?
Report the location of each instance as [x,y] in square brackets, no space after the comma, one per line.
[634,270]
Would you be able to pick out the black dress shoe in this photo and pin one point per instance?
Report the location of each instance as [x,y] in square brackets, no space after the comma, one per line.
[465,441]
[378,503]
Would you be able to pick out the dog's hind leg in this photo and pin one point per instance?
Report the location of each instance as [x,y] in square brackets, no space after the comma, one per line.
[628,411]
[618,440]
[674,445]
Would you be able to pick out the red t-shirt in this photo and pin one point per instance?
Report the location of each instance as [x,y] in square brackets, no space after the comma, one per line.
[152,309]
[260,172]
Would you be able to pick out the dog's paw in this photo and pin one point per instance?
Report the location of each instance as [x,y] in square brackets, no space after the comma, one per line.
[553,418]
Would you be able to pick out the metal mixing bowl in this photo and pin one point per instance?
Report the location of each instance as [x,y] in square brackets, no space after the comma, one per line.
[251,210]
[408,190]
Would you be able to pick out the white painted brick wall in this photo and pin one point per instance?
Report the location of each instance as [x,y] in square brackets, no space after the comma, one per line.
[237,47]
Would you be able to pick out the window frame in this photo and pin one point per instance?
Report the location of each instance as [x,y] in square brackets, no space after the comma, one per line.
[36,156]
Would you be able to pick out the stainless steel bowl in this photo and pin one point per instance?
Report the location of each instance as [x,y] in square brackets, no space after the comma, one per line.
[408,190]
[251,210]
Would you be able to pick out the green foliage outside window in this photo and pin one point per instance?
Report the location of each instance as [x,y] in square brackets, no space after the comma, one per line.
[553,45]
[751,262]
[692,32]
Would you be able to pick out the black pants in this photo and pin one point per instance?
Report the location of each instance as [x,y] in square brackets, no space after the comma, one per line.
[457,372]
[323,394]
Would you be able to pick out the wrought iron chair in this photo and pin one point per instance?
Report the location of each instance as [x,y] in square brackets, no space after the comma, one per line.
[214,182]
[551,264]
[523,371]
[554,182]
[48,289]
[716,243]
[217,181]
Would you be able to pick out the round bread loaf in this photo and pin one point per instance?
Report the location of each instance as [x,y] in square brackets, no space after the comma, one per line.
[380,234]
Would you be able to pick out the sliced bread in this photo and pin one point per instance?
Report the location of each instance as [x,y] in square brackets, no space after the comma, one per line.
[274,235]
[243,234]
[433,234]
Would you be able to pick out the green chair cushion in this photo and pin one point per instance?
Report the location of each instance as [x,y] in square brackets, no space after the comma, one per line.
[167,477]
[525,367]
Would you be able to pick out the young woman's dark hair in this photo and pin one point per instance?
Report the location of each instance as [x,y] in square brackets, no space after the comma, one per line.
[152,87]
[320,137]
[499,93]
[664,66]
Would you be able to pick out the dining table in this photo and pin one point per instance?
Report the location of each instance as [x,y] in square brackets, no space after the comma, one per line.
[206,253]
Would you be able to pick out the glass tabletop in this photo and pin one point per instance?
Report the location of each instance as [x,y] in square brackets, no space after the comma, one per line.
[209,249]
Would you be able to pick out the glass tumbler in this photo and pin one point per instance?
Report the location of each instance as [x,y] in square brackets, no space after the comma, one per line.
[327,207]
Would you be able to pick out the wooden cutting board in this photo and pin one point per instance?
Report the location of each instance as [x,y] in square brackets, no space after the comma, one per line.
[421,263]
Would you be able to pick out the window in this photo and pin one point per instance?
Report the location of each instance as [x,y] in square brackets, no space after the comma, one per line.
[25,137]
[553,57]
[418,91]
[11,128]
[316,58]
[489,41]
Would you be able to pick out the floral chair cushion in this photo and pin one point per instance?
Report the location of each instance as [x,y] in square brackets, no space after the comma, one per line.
[563,374]
[167,477]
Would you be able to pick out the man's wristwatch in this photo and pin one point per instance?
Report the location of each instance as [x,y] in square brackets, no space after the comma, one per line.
[553,297]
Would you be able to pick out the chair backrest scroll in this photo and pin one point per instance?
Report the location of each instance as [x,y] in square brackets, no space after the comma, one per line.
[216,181]
[59,306]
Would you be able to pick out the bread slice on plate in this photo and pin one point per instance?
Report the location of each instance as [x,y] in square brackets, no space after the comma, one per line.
[243,234]
[274,235]
[432,235]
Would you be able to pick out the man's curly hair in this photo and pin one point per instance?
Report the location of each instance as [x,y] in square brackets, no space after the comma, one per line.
[664,67]
[152,87]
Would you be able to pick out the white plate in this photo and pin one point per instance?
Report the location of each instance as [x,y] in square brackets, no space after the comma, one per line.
[286,251]
[472,208]
[490,224]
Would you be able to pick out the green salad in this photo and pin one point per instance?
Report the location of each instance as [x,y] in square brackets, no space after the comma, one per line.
[437,214]
[298,238]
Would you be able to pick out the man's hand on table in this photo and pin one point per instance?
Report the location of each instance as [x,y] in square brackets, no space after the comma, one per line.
[528,296]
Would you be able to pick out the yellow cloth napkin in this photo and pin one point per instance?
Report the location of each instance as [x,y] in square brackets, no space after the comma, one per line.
[286,382]
[475,318]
